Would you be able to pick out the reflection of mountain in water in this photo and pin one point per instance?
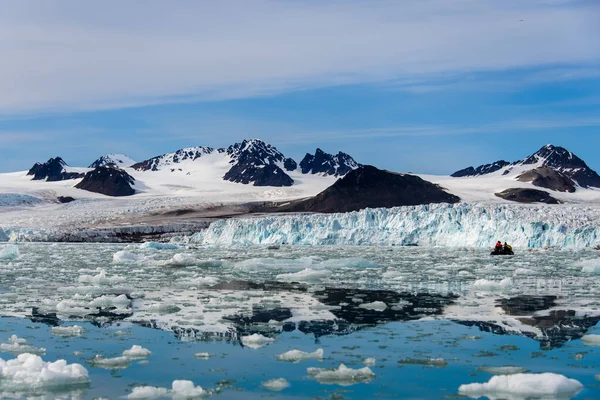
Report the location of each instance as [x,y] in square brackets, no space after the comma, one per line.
[555,326]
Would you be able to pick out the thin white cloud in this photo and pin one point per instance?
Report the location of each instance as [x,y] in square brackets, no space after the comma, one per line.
[61,55]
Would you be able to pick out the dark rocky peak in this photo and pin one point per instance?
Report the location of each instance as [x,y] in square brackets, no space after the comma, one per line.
[257,152]
[548,178]
[565,162]
[109,181]
[328,164]
[524,195]
[255,161]
[369,187]
[166,160]
[481,170]
[52,170]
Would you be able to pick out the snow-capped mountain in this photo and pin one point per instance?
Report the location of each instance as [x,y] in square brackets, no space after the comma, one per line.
[55,169]
[251,161]
[328,164]
[552,166]
[118,160]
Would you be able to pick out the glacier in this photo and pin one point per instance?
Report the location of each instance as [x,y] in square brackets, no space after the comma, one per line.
[459,225]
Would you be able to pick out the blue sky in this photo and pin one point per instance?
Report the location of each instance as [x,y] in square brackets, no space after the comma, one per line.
[424,86]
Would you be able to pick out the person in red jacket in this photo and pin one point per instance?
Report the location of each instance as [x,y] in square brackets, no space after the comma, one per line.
[498,247]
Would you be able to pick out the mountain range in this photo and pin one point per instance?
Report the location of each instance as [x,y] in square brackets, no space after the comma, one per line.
[546,176]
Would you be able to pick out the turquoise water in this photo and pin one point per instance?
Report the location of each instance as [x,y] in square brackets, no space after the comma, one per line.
[236,372]
[402,307]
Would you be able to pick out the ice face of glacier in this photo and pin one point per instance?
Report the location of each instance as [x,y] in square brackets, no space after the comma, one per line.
[466,225]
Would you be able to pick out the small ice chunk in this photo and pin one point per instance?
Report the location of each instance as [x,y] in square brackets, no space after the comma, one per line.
[342,376]
[187,390]
[182,260]
[591,340]
[257,340]
[17,345]
[125,257]
[137,352]
[120,301]
[100,279]
[369,362]
[110,363]
[9,252]
[375,306]
[74,330]
[159,246]
[490,286]
[204,356]
[30,372]
[524,386]
[507,370]
[307,275]
[434,362]
[276,385]
[147,392]
[589,266]
[297,355]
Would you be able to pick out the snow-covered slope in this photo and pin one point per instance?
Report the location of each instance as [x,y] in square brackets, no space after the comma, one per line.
[468,225]
[119,160]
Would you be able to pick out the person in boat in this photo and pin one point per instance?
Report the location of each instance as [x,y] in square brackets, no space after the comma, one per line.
[507,248]
[498,247]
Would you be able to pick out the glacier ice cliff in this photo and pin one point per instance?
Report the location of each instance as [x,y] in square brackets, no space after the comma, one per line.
[468,225]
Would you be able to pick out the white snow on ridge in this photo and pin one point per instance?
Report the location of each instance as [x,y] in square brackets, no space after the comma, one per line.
[463,225]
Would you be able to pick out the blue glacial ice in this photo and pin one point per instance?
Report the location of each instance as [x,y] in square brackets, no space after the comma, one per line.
[462,225]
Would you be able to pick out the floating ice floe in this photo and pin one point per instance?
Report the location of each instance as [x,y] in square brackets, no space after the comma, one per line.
[182,260]
[369,362]
[276,385]
[110,363]
[137,352]
[298,355]
[17,345]
[74,330]
[179,390]
[591,340]
[9,252]
[342,375]
[28,372]
[256,340]
[589,266]
[100,279]
[159,246]
[204,356]
[125,257]
[507,370]
[306,275]
[375,306]
[487,285]
[546,385]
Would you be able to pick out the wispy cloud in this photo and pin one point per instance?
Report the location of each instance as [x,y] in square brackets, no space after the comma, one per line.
[64,55]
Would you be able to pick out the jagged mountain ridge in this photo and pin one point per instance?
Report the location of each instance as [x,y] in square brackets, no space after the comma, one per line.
[566,165]
[252,161]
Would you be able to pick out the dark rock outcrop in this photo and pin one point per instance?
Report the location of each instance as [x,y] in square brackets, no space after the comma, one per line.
[481,170]
[115,160]
[327,164]
[548,178]
[369,187]
[108,181]
[167,160]
[52,170]
[262,175]
[522,195]
[65,199]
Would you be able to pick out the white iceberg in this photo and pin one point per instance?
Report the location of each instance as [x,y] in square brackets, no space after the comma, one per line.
[125,257]
[276,385]
[519,386]
[159,246]
[179,390]
[375,306]
[29,372]
[137,352]
[110,363]
[298,355]
[256,340]
[591,340]
[342,375]
[17,345]
[74,330]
